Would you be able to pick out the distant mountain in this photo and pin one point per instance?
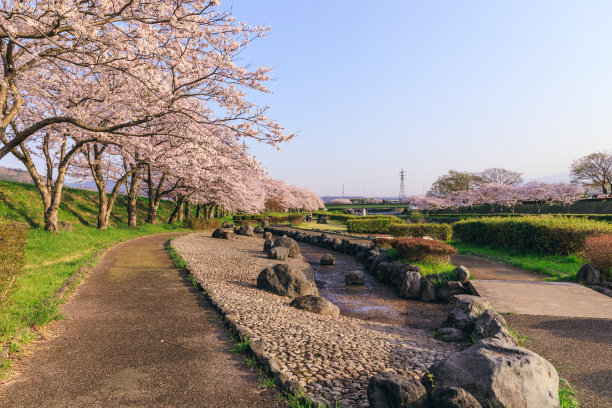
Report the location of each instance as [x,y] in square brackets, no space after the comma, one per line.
[563,177]
[18,175]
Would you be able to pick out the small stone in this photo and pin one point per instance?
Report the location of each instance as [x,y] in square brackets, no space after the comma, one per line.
[328,259]
[354,278]
[463,273]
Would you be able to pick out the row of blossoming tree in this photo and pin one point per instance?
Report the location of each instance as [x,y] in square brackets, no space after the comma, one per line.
[148,96]
[497,195]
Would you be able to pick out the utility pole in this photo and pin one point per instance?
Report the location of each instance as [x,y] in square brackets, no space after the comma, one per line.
[402,192]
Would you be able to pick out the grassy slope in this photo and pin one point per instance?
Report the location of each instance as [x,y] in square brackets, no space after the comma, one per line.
[52,259]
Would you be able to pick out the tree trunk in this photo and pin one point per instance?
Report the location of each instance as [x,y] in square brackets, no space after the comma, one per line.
[198,210]
[176,213]
[134,189]
[187,206]
[103,212]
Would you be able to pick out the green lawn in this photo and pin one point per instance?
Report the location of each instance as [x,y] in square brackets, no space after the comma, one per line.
[331,226]
[557,267]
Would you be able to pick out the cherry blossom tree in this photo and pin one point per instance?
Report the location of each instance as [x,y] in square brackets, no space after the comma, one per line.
[537,192]
[567,194]
[340,201]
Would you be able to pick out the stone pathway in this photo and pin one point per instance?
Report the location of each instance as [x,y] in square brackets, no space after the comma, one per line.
[136,334]
[332,357]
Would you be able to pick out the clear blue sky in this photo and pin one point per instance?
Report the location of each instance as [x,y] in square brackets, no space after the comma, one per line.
[373,87]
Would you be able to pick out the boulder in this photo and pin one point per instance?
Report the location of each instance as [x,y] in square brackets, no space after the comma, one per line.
[464,310]
[452,397]
[258,230]
[228,235]
[336,244]
[588,274]
[327,259]
[316,304]
[267,246]
[390,390]
[225,224]
[290,244]
[383,271]
[236,229]
[278,253]
[450,334]
[450,289]
[322,219]
[490,324]
[498,375]
[428,291]
[220,233]
[354,278]
[267,235]
[463,273]
[265,223]
[246,230]
[285,280]
[410,288]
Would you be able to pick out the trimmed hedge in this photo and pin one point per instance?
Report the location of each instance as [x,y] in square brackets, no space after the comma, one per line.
[544,235]
[423,250]
[13,239]
[365,225]
[443,232]
[296,219]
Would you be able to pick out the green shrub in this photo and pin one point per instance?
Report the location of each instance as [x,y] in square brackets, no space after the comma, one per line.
[543,235]
[598,250]
[443,232]
[416,216]
[13,238]
[202,224]
[423,250]
[365,225]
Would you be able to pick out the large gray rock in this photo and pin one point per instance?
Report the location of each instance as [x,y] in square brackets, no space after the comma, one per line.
[246,230]
[410,288]
[451,397]
[463,273]
[267,235]
[450,289]
[450,334]
[327,259]
[265,223]
[268,246]
[428,291]
[316,304]
[285,280]
[290,244]
[218,233]
[354,278]
[279,253]
[589,274]
[490,324]
[258,230]
[322,219]
[336,244]
[498,375]
[464,310]
[390,390]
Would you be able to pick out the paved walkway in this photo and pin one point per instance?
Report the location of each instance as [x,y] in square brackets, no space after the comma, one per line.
[136,334]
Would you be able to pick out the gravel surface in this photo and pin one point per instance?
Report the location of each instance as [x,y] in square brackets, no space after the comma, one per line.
[332,357]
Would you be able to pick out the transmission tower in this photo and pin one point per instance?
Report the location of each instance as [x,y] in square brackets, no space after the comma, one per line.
[402,194]
[343,191]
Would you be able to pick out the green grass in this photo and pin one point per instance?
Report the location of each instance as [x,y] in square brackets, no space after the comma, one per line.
[428,268]
[331,226]
[568,397]
[556,267]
